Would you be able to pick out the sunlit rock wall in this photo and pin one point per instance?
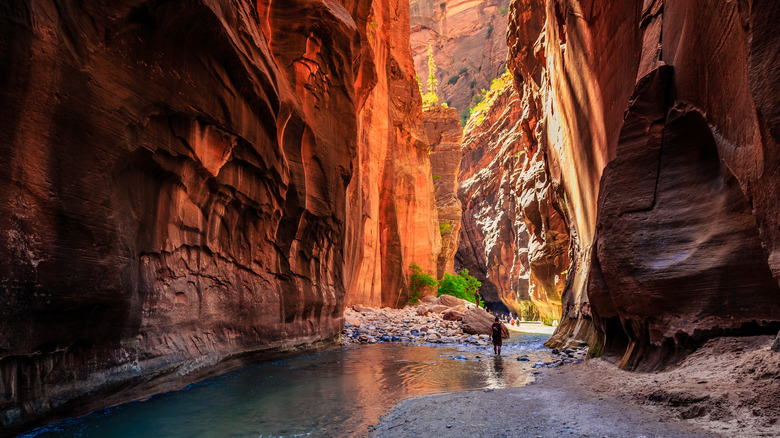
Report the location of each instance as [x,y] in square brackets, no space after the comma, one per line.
[442,126]
[392,210]
[467,38]
[174,188]
[514,239]
[660,121]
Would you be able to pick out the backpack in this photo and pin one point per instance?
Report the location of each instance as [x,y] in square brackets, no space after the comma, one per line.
[496,330]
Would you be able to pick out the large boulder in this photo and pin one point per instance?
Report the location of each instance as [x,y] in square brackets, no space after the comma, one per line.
[451,301]
[477,321]
[428,299]
[452,315]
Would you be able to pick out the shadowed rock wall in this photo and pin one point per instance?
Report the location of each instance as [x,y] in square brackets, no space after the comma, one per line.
[177,184]
[661,136]
[442,126]
[514,239]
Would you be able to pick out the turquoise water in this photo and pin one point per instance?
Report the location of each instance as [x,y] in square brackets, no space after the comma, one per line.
[339,392]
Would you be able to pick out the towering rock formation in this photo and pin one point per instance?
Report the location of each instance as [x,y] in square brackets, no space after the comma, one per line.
[467,38]
[661,137]
[442,126]
[393,220]
[514,240]
[187,185]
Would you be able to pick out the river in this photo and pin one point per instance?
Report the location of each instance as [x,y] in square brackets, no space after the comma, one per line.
[338,392]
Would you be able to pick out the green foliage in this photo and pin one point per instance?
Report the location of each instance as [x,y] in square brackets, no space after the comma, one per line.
[453,80]
[503,11]
[431,97]
[462,285]
[463,70]
[473,84]
[419,282]
[445,228]
[436,177]
[490,31]
[483,100]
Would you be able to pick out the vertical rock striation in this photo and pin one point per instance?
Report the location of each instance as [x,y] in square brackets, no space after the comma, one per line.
[185,186]
[442,126]
[514,239]
[393,220]
[661,138]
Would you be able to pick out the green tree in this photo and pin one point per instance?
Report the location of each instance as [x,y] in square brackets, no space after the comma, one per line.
[431,97]
[462,285]
[419,281]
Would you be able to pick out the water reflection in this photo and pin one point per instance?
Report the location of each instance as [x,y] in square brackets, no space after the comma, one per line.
[334,393]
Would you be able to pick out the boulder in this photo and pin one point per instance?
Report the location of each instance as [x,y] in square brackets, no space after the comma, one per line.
[776,344]
[428,299]
[452,315]
[438,308]
[352,321]
[477,322]
[451,301]
[362,309]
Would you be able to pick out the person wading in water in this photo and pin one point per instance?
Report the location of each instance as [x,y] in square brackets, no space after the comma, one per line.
[496,330]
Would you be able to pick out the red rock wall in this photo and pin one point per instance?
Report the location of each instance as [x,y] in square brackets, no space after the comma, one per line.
[514,239]
[442,126]
[660,132]
[468,42]
[177,185]
[392,210]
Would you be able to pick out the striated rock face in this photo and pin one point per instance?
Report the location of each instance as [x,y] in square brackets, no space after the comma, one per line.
[185,186]
[468,42]
[392,221]
[514,239]
[444,132]
[661,136]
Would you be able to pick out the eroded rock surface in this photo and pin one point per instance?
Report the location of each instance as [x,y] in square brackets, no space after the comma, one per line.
[514,240]
[664,129]
[467,38]
[444,132]
[184,185]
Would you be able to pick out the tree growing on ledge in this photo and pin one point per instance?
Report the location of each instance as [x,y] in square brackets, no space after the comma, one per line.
[419,281]
[431,97]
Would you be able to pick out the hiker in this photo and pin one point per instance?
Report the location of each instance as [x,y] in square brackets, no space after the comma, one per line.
[496,331]
[476,297]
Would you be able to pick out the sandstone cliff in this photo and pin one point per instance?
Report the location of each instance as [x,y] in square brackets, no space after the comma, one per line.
[467,38]
[442,126]
[184,185]
[513,239]
[661,136]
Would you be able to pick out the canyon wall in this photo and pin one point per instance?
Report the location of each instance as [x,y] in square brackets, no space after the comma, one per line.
[661,137]
[467,38]
[514,240]
[186,186]
[442,126]
[393,217]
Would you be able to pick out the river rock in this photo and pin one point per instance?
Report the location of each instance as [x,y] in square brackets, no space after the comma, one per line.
[428,299]
[776,344]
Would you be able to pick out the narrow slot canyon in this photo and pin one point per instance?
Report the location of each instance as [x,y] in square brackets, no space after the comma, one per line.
[309,217]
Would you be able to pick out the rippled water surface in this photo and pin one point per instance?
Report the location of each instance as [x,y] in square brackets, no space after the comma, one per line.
[339,392]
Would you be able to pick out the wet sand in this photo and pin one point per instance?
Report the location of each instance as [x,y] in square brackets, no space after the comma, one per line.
[729,387]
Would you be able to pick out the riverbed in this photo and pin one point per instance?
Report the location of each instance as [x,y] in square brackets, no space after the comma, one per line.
[338,392]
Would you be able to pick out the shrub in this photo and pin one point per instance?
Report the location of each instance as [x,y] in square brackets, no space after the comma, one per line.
[453,80]
[462,285]
[503,11]
[483,100]
[490,31]
[419,282]
[445,228]
[463,70]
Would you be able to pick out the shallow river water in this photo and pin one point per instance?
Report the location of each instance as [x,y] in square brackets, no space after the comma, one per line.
[338,392]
